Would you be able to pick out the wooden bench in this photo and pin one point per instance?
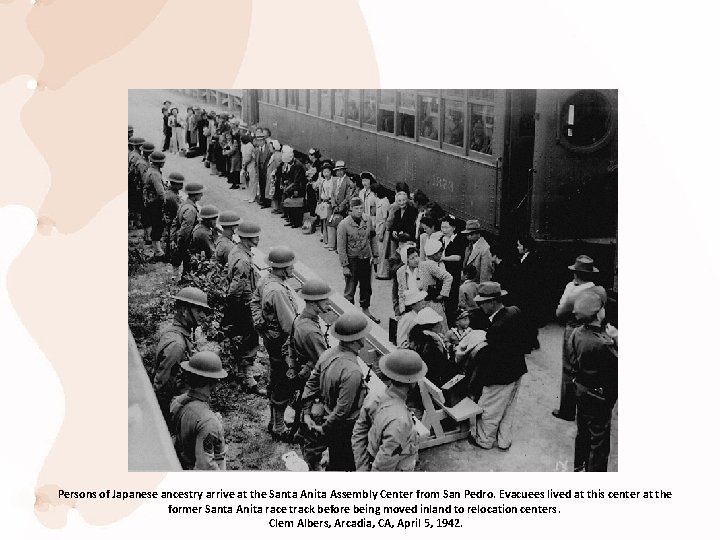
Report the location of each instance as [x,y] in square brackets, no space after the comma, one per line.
[462,416]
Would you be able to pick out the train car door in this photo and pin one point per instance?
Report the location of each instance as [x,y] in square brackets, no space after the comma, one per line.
[518,167]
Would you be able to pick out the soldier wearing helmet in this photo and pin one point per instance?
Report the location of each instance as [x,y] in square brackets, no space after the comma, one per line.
[307,341]
[238,318]
[227,221]
[335,391]
[142,164]
[204,234]
[595,357]
[183,226]
[153,197]
[273,312]
[171,205]
[135,203]
[177,344]
[384,437]
[198,433]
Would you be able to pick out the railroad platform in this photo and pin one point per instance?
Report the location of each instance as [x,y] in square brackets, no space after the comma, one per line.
[540,443]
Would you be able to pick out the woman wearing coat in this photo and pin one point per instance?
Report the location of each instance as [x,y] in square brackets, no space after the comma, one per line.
[382,207]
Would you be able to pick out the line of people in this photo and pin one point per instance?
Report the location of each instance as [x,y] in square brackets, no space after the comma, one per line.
[436,272]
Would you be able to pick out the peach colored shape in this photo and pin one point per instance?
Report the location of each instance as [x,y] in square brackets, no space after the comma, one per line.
[74,127]
[27,177]
[87,107]
[75,34]
[20,54]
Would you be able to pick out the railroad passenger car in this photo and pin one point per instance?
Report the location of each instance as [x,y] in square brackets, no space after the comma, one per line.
[538,162]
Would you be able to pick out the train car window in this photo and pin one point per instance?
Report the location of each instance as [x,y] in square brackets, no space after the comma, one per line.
[485,95]
[369,108]
[429,117]
[482,125]
[302,100]
[386,111]
[325,103]
[314,103]
[292,99]
[353,106]
[454,132]
[406,114]
[339,110]
[586,120]
[454,93]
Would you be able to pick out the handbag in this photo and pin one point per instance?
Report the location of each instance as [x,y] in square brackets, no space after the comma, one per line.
[322,210]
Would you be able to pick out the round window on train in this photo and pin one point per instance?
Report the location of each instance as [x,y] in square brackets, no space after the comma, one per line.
[587,121]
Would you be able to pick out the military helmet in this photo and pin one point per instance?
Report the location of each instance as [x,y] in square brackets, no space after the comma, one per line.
[229,219]
[136,141]
[403,365]
[176,178]
[147,148]
[280,257]
[351,326]
[206,364]
[157,157]
[209,211]
[193,188]
[315,289]
[248,230]
[192,295]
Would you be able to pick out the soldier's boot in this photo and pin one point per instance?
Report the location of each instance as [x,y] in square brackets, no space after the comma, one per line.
[272,421]
[280,431]
[157,248]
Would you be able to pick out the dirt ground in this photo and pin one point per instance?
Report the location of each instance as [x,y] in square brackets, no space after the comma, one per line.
[540,442]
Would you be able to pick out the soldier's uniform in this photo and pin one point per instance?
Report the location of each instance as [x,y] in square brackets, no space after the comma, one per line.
[338,383]
[223,247]
[596,358]
[238,318]
[181,231]
[203,240]
[171,205]
[153,198]
[200,439]
[384,437]
[175,346]
[273,312]
[135,204]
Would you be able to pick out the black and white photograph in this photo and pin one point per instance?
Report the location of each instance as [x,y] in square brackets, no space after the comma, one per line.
[373,280]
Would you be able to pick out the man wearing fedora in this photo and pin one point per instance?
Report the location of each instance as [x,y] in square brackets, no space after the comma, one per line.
[344,190]
[384,437]
[596,380]
[337,384]
[414,302]
[478,251]
[583,271]
[262,156]
[198,432]
[497,369]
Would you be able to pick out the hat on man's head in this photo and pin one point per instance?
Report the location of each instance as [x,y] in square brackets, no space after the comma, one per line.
[472,226]
[413,296]
[583,264]
[248,230]
[432,246]
[136,141]
[193,188]
[356,201]
[427,315]
[176,178]
[147,148]
[489,290]
[339,165]
[350,326]
[209,211]
[228,218]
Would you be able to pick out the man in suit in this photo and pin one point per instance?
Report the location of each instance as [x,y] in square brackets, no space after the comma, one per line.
[262,157]
[478,251]
[497,369]
[292,185]
[345,188]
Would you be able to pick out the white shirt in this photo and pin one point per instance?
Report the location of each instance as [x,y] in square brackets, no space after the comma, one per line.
[491,317]
[412,278]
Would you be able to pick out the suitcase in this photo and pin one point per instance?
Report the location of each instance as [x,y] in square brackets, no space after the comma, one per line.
[193,152]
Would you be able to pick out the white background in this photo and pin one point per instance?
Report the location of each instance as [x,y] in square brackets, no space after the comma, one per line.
[663,59]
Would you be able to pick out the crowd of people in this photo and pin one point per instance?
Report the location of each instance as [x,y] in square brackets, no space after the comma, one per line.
[467,310]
